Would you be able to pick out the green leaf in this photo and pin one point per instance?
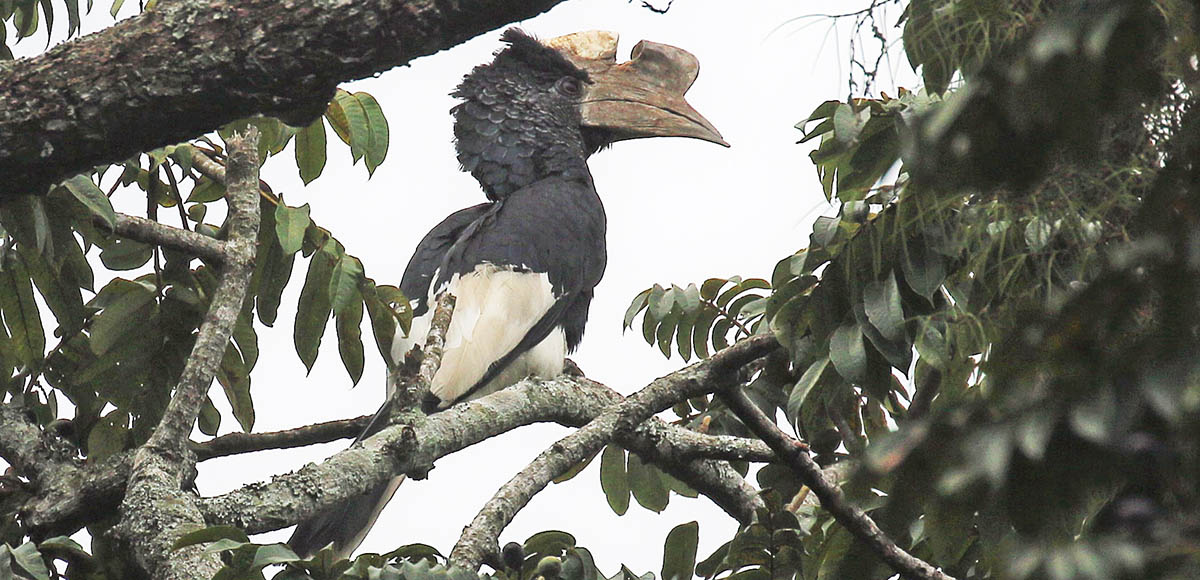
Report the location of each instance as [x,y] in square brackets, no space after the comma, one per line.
[206,190]
[211,534]
[273,554]
[28,558]
[310,150]
[234,377]
[637,305]
[59,288]
[349,333]
[810,378]
[679,552]
[383,321]
[575,470]
[355,122]
[126,312]
[312,311]
[344,281]
[614,479]
[290,224]
[116,7]
[108,436]
[72,17]
[924,269]
[646,485]
[246,339]
[26,19]
[881,299]
[209,420]
[21,311]
[377,142]
[125,254]
[92,198]
[848,353]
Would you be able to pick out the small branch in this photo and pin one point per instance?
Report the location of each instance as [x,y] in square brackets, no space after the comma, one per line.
[237,443]
[155,510]
[410,393]
[152,232]
[207,167]
[795,455]
[479,540]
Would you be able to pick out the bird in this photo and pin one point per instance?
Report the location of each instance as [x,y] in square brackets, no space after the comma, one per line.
[523,265]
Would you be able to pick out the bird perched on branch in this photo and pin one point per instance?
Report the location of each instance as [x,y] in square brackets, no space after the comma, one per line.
[523,266]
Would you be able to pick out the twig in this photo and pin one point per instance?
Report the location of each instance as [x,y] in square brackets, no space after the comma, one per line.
[410,393]
[237,443]
[155,510]
[183,218]
[795,455]
[479,539]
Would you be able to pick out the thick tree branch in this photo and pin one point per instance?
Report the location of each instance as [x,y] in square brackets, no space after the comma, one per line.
[92,493]
[479,540]
[795,455]
[109,95]
[155,510]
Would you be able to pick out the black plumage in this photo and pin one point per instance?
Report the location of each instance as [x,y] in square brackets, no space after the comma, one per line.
[524,265]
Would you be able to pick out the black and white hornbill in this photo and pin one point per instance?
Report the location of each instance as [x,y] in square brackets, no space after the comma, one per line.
[523,266]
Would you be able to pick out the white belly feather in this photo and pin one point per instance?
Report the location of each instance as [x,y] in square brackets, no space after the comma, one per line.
[495,308]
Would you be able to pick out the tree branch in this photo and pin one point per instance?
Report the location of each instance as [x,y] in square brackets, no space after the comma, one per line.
[153,232]
[795,455]
[93,492]
[155,510]
[238,443]
[479,540]
[107,96]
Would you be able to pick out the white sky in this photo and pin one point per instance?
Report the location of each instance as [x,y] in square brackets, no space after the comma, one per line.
[679,211]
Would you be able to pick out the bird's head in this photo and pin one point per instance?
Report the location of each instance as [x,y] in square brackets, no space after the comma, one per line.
[541,107]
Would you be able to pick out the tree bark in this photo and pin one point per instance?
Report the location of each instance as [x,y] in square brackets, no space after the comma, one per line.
[186,68]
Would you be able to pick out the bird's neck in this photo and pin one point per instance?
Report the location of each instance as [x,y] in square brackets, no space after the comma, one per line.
[511,153]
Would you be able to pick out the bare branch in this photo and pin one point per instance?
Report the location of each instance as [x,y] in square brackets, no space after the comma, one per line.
[153,232]
[237,443]
[156,511]
[479,539]
[407,392]
[795,455]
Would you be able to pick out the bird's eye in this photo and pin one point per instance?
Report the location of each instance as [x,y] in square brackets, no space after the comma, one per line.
[568,86]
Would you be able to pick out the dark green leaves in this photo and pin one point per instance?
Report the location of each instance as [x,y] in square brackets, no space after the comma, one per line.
[90,196]
[310,151]
[614,478]
[859,143]
[358,121]
[21,317]
[693,318]
[312,312]
[679,552]
[290,224]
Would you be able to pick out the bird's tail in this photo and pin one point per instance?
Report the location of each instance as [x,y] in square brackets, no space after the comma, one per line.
[344,525]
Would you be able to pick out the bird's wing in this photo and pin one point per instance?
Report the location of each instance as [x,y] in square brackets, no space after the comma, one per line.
[520,270]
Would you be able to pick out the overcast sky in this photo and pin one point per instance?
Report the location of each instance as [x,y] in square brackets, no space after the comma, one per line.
[679,211]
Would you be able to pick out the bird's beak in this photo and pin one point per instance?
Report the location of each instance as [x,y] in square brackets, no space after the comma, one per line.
[642,97]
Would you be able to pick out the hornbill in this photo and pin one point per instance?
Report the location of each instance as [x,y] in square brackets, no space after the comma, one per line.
[523,266]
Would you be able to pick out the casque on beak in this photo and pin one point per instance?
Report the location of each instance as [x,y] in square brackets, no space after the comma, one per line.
[643,97]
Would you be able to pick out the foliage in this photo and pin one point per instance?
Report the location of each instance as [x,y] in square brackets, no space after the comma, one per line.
[1000,341]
